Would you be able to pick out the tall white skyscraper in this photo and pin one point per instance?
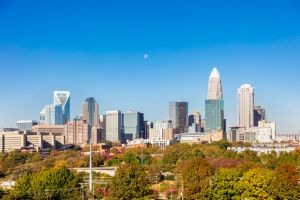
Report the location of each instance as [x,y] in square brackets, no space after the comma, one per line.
[63,98]
[214,85]
[113,126]
[246,106]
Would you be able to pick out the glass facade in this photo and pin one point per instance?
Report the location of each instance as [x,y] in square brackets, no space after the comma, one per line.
[91,112]
[133,125]
[178,114]
[63,98]
[259,114]
[26,125]
[53,114]
[214,115]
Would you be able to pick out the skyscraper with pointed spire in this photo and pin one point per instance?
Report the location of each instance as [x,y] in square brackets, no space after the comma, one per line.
[214,104]
[214,85]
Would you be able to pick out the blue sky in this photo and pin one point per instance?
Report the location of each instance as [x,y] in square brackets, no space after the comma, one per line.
[96,48]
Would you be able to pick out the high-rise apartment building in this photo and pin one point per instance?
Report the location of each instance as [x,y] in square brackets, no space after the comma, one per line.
[90,112]
[259,114]
[77,132]
[133,125]
[214,104]
[178,114]
[245,115]
[113,125]
[63,98]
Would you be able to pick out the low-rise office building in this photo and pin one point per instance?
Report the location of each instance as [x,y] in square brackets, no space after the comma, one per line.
[195,137]
[44,138]
[278,148]
[264,133]
[25,125]
[12,140]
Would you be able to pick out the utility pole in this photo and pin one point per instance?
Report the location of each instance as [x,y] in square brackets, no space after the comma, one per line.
[91,166]
[142,151]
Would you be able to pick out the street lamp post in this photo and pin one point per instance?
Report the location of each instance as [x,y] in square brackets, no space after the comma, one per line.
[91,166]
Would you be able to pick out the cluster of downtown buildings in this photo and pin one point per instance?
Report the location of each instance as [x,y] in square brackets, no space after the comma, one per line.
[56,128]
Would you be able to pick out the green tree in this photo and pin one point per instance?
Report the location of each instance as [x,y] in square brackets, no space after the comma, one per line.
[131,158]
[256,184]
[48,184]
[224,183]
[287,158]
[285,184]
[1,193]
[250,155]
[114,162]
[223,144]
[270,160]
[130,182]
[22,189]
[196,176]
[173,153]
[178,152]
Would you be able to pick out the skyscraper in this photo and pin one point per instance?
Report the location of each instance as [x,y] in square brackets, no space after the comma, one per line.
[63,98]
[195,121]
[52,115]
[214,85]
[259,114]
[133,124]
[214,104]
[90,111]
[178,114]
[245,106]
[214,112]
[113,126]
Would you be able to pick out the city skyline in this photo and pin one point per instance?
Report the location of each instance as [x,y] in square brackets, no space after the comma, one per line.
[253,44]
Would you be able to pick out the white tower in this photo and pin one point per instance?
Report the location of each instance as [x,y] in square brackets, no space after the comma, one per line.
[214,85]
[246,106]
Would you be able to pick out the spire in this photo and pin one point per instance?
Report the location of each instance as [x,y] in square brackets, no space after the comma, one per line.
[214,73]
[214,85]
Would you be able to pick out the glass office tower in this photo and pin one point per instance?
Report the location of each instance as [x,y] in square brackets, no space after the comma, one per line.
[90,111]
[178,114]
[133,125]
[214,114]
[63,98]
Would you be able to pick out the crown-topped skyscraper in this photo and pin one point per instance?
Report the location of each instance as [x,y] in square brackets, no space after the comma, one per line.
[214,85]
[214,104]
[63,98]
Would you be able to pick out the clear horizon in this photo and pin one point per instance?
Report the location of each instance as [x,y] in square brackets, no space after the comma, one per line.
[98,49]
